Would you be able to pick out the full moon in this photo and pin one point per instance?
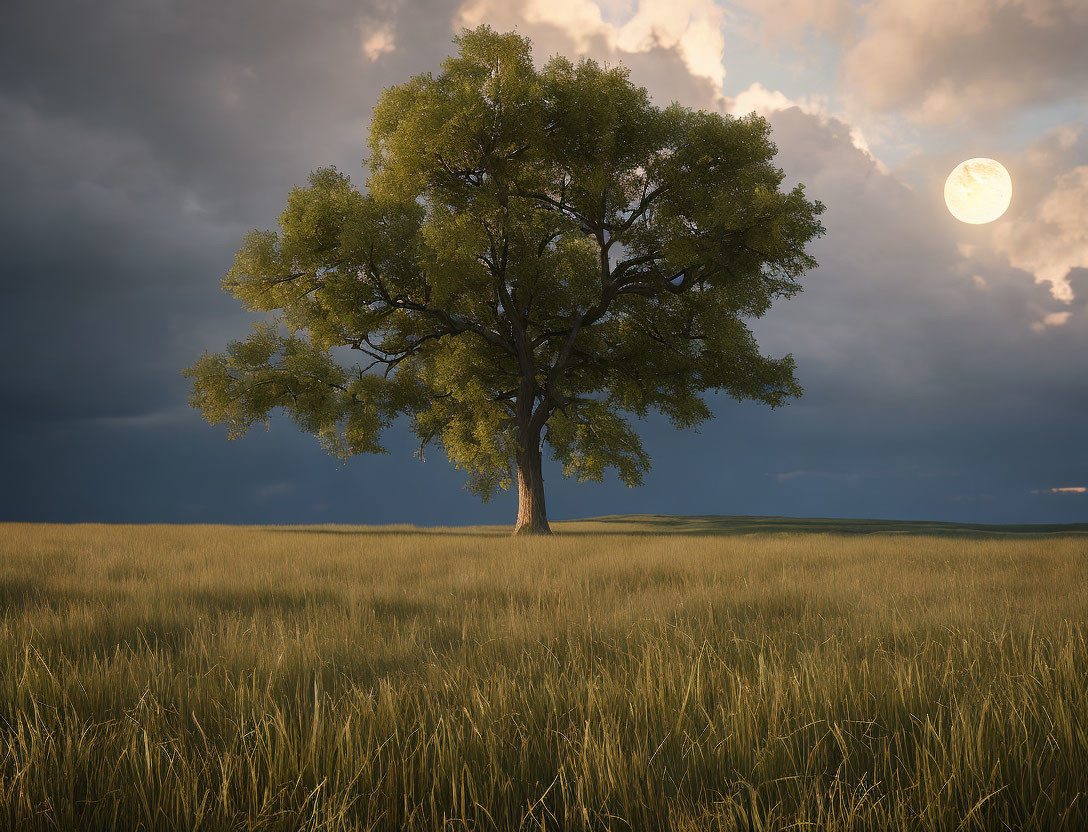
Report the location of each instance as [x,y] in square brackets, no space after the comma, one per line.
[978,191]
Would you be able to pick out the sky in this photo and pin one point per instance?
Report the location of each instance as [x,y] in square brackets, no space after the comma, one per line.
[945,364]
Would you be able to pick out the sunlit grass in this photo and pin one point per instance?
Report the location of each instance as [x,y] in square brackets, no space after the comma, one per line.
[209,677]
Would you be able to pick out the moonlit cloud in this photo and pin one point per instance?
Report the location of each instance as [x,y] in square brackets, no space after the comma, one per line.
[942,62]
[690,27]
[759,99]
[1053,239]
[1046,234]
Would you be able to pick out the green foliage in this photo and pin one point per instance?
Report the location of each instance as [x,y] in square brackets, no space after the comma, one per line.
[535,249]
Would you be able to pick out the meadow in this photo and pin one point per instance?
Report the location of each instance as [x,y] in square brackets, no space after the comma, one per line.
[647,673]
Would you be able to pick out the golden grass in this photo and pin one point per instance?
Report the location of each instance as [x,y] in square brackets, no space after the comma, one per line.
[210,677]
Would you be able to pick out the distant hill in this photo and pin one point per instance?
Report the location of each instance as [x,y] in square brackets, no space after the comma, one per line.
[719,524]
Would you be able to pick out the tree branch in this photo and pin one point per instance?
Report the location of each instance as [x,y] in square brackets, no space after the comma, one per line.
[455,324]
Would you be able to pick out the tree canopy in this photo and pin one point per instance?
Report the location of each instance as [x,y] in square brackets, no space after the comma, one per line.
[538,256]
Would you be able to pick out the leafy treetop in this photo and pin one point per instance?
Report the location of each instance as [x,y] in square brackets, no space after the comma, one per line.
[535,250]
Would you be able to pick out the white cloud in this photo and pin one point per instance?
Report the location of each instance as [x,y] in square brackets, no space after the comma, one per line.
[942,62]
[693,28]
[580,19]
[1050,239]
[757,98]
[378,41]
[1053,319]
[690,28]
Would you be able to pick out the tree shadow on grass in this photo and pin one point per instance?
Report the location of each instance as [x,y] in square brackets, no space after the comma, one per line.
[637,525]
[252,601]
[381,531]
[744,524]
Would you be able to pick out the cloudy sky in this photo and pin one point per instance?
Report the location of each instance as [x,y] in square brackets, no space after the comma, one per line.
[945,364]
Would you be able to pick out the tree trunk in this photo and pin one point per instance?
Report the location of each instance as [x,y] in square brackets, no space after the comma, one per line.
[532,516]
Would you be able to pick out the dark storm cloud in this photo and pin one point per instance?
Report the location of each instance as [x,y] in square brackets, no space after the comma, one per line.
[140,140]
[228,96]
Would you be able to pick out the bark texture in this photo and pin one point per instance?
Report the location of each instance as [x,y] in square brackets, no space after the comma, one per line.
[532,514]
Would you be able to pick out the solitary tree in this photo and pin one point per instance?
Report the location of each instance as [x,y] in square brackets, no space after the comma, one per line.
[537,254]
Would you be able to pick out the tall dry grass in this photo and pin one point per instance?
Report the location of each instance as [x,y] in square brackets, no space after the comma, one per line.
[184,678]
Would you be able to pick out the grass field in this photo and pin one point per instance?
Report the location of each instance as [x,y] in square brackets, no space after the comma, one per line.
[647,673]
